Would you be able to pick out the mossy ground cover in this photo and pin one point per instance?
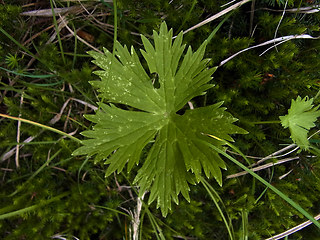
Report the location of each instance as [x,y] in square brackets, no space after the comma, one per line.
[45,71]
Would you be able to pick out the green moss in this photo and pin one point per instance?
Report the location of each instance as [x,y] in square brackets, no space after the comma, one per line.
[9,14]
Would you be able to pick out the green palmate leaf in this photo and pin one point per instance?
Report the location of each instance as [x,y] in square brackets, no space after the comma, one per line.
[177,155]
[300,119]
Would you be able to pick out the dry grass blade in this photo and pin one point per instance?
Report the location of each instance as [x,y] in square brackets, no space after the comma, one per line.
[276,154]
[64,21]
[252,16]
[10,153]
[18,135]
[247,156]
[223,12]
[262,167]
[49,12]
[305,10]
[55,119]
[99,23]
[58,30]
[63,237]
[136,218]
[294,229]
[282,16]
[278,40]
[58,116]
[38,34]
[6,169]
[108,1]
[228,3]
[85,103]
[41,125]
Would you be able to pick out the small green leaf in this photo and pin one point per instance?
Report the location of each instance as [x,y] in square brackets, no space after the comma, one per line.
[300,119]
[177,156]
